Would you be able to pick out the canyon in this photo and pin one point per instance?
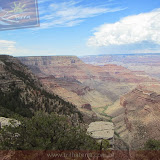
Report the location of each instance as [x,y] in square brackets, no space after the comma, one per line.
[82,83]
[142,63]
[128,98]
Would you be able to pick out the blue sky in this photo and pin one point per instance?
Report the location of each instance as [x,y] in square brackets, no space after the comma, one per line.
[88,27]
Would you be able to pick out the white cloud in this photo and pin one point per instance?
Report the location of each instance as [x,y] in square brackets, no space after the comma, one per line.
[69,13]
[7,47]
[129,30]
[12,48]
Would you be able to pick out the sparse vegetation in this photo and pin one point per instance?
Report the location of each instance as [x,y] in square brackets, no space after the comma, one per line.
[116,134]
[152,144]
[151,151]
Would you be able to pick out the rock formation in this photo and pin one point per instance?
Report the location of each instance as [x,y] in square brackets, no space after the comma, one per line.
[6,122]
[87,106]
[137,117]
[101,130]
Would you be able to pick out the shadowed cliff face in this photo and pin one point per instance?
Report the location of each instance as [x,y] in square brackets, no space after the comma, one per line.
[137,117]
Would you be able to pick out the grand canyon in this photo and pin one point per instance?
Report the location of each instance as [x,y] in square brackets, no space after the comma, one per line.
[107,87]
[84,83]
[101,99]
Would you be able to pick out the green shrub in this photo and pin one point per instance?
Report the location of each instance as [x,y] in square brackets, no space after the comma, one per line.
[152,145]
[46,132]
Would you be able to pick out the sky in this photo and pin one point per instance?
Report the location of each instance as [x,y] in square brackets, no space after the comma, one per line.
[88,27]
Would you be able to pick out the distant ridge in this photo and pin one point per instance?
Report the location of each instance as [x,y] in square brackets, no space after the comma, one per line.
[125,54]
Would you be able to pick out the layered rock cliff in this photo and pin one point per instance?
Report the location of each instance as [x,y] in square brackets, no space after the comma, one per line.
[141,63]
[137,117]
[64,75]
[82,83]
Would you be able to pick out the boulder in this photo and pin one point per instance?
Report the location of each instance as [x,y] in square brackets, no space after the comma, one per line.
[6,122]
[101,130]
[87,106]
